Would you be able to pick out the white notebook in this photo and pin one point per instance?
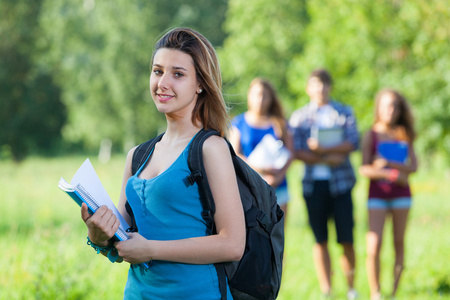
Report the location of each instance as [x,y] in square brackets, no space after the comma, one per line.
[269,153]
[86,187]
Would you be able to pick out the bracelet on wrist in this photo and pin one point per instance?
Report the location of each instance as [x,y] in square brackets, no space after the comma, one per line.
[110,250]
[393,175]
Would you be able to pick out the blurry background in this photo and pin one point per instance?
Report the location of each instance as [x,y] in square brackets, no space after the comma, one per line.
[74,83]
[75,73]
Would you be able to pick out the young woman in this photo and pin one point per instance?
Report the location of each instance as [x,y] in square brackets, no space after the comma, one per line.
[264,116]
[389,192]
[185,84]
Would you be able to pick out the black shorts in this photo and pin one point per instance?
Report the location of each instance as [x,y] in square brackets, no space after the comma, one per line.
[322,205]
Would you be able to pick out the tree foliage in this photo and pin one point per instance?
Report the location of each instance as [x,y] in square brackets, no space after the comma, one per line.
[366,45]
[263,38]
[85,64]
[31,111]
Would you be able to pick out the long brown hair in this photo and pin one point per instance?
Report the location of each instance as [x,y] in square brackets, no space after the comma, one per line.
[405,118]
[275,109]
[210,108]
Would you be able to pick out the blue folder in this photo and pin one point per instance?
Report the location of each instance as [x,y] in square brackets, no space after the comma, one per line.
[394,151]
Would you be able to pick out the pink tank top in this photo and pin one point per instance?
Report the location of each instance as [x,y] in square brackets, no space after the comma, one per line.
[381,188]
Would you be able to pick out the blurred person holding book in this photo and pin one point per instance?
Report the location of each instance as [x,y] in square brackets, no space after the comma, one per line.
[325,133]
[388,159]
[186,86]
[262,138]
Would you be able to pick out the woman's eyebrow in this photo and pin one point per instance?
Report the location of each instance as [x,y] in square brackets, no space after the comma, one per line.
[174,68]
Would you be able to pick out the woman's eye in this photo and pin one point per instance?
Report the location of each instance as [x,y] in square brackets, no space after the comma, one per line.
[157,72]
[178,75]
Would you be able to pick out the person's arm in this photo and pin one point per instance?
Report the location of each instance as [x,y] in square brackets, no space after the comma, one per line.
[103,223]
[229,242]
[409,167]
[373,169]
[234,137]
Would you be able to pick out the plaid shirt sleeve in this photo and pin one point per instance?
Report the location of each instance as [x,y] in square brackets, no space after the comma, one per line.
[300,130]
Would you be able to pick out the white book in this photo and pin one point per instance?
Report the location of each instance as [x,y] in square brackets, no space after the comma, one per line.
[86,187]
[269,153]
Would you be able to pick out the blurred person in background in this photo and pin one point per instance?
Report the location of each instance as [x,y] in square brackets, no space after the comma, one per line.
[388,157]
[325,133]
[264,116]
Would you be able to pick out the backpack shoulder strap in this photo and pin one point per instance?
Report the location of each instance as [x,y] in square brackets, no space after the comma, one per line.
[142,151]
[198,173]
[139,156]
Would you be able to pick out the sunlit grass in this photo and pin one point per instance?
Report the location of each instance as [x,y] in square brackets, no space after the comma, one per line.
[44,253]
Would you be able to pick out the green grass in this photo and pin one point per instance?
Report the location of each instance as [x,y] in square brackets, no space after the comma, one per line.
[44,253]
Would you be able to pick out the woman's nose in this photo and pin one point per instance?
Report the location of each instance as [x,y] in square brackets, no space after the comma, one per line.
[164,82]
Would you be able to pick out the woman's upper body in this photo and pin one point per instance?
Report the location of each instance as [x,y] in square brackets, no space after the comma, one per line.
[324,162]
[185,85]
[393,123]
[166,208]
[264,116]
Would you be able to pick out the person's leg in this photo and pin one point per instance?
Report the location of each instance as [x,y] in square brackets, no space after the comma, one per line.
[322,263]
[318,218]
[282,200]
[348,263]
[374,240]
[343,215]
[399,219]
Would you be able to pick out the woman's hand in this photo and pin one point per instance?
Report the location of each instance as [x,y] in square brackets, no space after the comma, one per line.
[380,163]
[135,250]
[101,225]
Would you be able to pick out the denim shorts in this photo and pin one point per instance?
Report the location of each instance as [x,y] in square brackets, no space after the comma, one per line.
[389,204]
[282,195]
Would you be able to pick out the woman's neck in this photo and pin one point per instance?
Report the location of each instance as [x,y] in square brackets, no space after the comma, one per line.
[181,129]
[257,119]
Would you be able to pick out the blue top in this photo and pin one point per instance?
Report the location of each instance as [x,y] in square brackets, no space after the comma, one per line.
[342,176]
[166,207]
[251,136]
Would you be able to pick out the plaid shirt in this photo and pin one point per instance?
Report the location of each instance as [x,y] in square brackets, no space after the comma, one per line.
[342,177]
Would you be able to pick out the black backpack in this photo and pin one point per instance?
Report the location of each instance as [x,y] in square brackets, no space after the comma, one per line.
[258,274]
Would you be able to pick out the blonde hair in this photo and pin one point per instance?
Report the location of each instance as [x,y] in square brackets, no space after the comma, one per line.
[210,108]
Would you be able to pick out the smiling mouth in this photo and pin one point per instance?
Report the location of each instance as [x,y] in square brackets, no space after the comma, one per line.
[164,97]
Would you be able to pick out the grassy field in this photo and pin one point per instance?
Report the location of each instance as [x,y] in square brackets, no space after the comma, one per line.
[44,253]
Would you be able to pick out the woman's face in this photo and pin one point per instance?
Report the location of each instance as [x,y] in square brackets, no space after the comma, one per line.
[258,99]
[173,82]
[388,109]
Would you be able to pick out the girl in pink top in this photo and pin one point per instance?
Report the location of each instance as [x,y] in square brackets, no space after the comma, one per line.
[389,192]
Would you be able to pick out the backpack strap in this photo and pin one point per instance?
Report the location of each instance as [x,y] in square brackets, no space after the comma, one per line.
[198,175]
[139,156]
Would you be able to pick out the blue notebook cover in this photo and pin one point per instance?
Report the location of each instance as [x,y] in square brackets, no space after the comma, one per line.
[395,151]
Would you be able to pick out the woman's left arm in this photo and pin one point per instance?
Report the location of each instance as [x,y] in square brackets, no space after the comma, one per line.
[410,166]
[229,242]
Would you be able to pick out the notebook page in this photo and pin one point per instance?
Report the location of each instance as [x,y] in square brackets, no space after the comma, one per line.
[87,177]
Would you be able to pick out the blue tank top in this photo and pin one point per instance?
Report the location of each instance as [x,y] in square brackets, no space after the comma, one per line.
[166,207]
[251,136]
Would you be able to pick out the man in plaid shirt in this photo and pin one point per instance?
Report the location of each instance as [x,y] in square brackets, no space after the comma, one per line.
[325,133]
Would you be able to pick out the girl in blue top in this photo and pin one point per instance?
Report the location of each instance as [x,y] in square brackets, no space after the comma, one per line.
[185,84]
[264,116]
